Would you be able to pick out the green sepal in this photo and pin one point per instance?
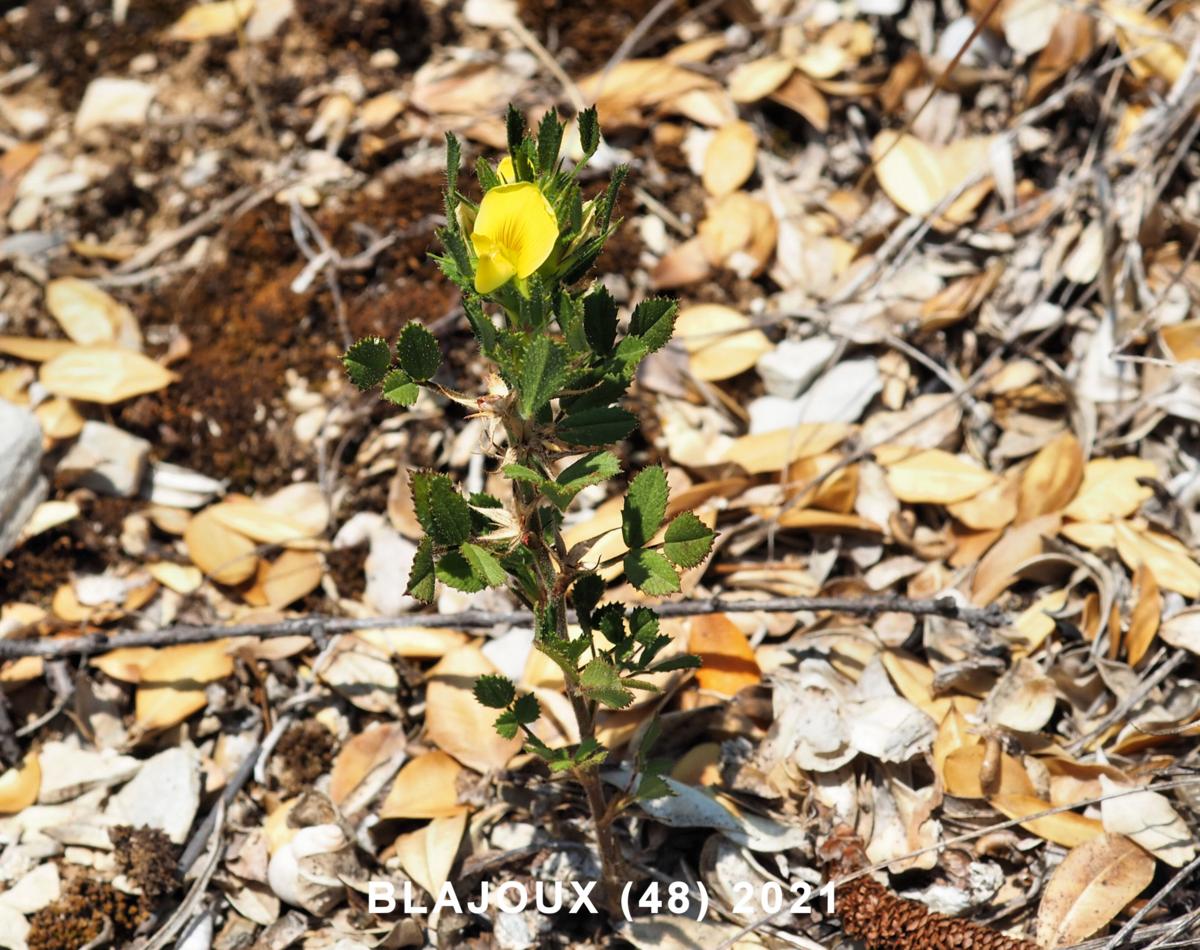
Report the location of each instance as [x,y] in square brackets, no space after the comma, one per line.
[453,163]
[589,132]
[488,179]
[481,324]
[543,372]
[600,319]
[514,128]
[610,196]
[367,362]
[549,141]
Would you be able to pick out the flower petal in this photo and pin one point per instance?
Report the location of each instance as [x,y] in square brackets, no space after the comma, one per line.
[506,171]
[521,222]
[492,271]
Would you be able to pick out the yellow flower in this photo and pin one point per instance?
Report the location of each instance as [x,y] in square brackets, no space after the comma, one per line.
[505,170]
[515,231]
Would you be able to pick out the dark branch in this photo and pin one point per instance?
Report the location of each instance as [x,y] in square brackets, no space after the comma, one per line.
[978,617]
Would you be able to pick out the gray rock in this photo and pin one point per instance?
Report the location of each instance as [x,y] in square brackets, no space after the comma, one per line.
[788,369]
[22,487]
[107,460]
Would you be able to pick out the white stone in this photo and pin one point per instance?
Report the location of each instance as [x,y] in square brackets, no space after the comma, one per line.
[841,395]
[387,569]
[107,460]
[68,771]
[111,101]
[22,487]
[788,369]
[14,928]
[34,891]
[165,794]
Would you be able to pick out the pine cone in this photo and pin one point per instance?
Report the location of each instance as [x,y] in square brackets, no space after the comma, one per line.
[882,921]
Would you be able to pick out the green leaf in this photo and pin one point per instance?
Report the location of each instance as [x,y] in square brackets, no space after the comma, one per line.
[367,362]
[585,595]
[688,540]
[643,624]
[484,564]
[651,573]
[589,131]
[401,390]
[421,584]
[506,725]
[600,426]
[495,691]
[543,372]
[683,661]
[522,473]
[453,161]
[651,786]
[549,140]
[450,515]
[455,570]
[589,754]
[601,682]
[514,127]
[481,323]
[653,321]
[600,320]
[488,179]
[641,684]
[610,196]
[418,352]
[421,486]
[527,709]
[589,470]
[570,319]
[645,506]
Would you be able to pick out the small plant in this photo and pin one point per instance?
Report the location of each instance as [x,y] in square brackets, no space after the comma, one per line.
[563,362]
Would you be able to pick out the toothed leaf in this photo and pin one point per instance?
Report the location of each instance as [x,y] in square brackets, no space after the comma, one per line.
[367,362]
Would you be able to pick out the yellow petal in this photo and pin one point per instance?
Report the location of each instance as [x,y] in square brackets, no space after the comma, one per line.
[521,223]
[492,271]
[506,171]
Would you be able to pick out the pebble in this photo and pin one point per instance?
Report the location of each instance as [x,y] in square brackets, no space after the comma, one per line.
[22,487]
[112,101]
[107,460]
[165,794]
[788,369]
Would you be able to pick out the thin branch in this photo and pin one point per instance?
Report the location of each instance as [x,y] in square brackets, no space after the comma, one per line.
[947,607]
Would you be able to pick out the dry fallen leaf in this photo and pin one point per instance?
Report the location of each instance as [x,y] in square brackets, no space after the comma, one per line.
[918,177]
[224,555]
[1052,478]
[90,316]
[1110,489]
[427,787]
[103,375]
[19,786]
[209,20]
[1170,562]
[427,855]
[934,476]
[997,570]
[730,158]
[1147,612]
[1094,882]
[772,451]
[291,576]
[455,720]
[728,659]
[1065,827]
[172,683]
[758,78]
[1149,819]
[361,754]
[720,341]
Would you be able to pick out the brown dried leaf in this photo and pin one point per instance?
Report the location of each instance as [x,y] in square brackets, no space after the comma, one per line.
[1051,480]
[19,786]
[758,78]
[932,476]
[1095,881]
[1110,489]
[103,375]
[427,787]
[173,683]
[361,754]
[209,20]
[456,722]
[720,341]
[224,555]
[1147,612]
[730,158]
[771,451]
[729,662]
[997,570]
[427,855]
[291,576]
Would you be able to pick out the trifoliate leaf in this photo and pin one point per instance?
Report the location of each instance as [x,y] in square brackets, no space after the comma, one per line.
[653,321]
[651,573]
[601,682]
[600,320]
[418,352]
[543,373]
[456,571]
[688,540]
[600,426]
[645,506]
[401,390]
[450,515]
[421,584]
[484,564]
[495,691]
[367,362]
[527,709]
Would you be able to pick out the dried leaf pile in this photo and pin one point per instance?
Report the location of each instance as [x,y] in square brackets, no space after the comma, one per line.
[938,273]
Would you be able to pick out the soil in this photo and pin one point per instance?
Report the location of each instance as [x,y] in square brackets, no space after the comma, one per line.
[147,857]
[303,754]
[79,915]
